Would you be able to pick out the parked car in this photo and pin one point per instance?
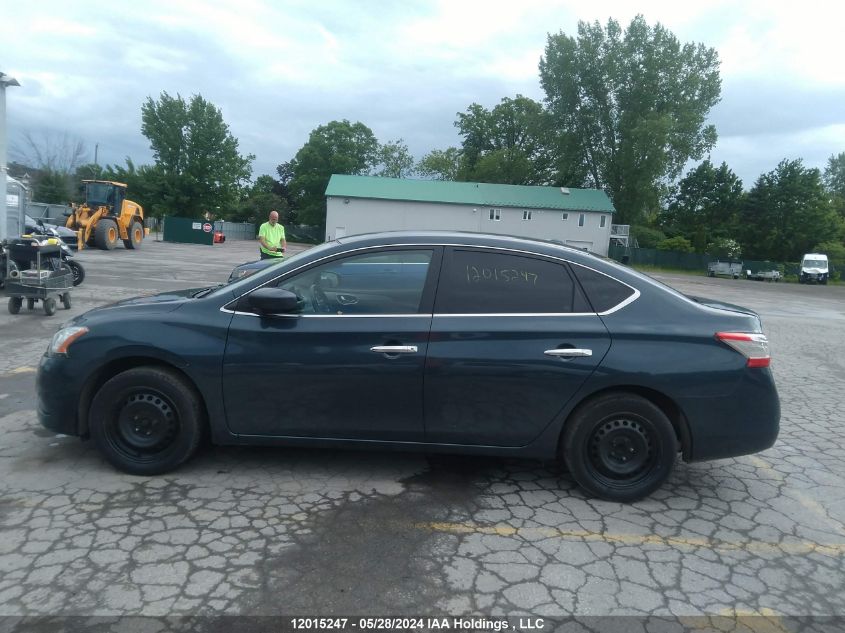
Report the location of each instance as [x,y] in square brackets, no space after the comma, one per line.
[436,342]
[814,269]
[250,268]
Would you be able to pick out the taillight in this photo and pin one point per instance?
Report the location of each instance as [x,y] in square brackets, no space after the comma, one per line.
[755,347]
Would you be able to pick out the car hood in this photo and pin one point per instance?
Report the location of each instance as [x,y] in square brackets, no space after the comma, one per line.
[813,270]
[721,305]
[162,302]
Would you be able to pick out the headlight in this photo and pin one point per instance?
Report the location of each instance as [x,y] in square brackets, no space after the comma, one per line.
[64,338]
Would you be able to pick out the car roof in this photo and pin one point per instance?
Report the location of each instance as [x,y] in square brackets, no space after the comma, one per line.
[463,238]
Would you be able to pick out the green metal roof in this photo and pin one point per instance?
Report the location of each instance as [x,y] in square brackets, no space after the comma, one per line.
[476,193]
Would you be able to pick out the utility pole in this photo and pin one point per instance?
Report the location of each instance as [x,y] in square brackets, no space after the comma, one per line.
[96,151]
[5,80]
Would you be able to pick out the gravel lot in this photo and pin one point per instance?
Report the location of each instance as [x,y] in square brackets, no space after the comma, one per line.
[292,531]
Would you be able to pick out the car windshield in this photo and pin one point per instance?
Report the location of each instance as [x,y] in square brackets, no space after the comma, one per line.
[814,263]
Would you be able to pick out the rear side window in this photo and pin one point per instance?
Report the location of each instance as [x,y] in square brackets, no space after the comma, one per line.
[482,282]
[603,292]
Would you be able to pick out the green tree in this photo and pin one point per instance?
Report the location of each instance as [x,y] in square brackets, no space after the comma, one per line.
[145,185]
[441,164]
[632,105]
[834,180]
[508,144]
[786,213]
[258,200]
[196,155]
[339,147]
[394,160]
[646,236]
[705,204]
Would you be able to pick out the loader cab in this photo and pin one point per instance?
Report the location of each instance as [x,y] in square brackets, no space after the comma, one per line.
[102,193]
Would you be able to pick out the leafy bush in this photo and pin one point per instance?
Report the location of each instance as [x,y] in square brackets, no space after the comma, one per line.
[646,236]
[678,244]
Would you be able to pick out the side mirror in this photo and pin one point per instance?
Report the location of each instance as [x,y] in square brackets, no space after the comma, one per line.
[273,301]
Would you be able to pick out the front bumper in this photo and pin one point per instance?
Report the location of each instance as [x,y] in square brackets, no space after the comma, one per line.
[57,394]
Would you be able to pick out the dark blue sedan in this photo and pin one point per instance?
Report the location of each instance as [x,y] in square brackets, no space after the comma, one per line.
[437,342]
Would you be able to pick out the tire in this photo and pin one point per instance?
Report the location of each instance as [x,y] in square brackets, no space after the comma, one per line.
[77,270]
[711,274]
[15,304]
[66,302]
[596,436]
[106,234]
[49,306]
[30,304]
[136,235]
[146,421]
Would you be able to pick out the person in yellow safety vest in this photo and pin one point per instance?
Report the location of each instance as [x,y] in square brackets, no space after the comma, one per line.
[271,236]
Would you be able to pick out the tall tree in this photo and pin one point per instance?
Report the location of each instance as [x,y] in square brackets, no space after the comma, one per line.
[786,213]
[196,154]
[507,144]
[394,160]
[53,160]
[632,105]
[441,164]
[705,205]
[834,180]
[339,147]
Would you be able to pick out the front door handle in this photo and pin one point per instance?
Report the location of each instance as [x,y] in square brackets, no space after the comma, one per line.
[568,352]
[394,349]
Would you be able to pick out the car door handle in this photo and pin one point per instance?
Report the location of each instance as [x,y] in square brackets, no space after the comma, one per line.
[394,349]
[568,352]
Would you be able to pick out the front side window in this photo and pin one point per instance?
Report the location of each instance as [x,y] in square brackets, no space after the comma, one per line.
[483,282]
[383,282]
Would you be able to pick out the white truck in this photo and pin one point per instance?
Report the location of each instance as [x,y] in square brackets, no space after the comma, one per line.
[814,269]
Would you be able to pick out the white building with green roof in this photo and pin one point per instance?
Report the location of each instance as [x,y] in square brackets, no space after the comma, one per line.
[365,204]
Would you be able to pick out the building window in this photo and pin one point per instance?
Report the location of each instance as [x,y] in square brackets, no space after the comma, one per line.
[603,221]
[581,220]
[526,215]
[565,217]
[494,215]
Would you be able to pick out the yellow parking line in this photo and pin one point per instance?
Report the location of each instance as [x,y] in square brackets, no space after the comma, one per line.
[802,547]
[21,370]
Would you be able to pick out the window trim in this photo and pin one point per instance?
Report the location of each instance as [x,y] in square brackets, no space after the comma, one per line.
[526,214]
[438,254]
[495,215]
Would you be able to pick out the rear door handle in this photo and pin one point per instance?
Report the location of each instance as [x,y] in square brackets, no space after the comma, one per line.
[394,349]
[568,352]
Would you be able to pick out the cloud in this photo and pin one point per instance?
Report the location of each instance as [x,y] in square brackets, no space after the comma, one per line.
[278,70]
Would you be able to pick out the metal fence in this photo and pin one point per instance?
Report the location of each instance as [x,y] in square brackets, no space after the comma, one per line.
[52,213]
[689,261]
[236,230]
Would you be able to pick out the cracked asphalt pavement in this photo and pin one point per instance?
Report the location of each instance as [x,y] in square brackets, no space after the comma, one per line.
[257,531]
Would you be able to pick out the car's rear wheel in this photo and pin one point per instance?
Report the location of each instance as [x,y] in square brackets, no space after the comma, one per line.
[620,447]
[146,421]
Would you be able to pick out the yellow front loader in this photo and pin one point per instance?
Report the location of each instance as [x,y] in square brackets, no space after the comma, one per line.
[107,216]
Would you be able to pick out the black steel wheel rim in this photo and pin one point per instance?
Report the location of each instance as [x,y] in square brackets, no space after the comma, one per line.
[145,425]
[622,449]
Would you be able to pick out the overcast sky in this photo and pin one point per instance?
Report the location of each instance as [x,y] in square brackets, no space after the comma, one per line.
[279,69]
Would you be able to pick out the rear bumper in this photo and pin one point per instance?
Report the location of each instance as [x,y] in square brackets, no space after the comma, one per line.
[57,396]
[745,421]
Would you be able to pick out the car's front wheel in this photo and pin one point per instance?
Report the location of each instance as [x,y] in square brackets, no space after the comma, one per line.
[620,447]
[146,421]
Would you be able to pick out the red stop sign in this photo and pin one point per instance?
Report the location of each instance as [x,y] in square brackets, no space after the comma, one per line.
[206,227]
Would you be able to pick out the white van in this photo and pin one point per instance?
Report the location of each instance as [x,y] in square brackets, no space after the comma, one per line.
[814,268]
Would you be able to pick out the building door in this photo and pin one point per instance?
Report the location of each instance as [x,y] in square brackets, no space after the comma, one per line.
[339,232]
